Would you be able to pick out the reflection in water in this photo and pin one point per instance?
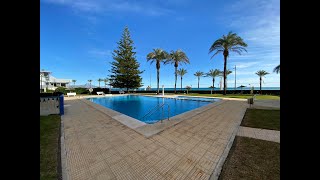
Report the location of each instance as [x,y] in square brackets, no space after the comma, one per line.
[138,106]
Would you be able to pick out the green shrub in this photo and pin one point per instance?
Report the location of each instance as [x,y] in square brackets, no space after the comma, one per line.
[49,90]
[81,91]
[61,90]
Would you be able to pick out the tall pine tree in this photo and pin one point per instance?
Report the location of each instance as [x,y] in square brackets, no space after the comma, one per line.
[125,68]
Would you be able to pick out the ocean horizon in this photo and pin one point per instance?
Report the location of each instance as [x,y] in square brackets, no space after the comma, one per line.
[201,89]
[184,89]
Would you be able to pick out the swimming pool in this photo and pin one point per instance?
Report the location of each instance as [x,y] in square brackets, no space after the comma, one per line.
[148,109]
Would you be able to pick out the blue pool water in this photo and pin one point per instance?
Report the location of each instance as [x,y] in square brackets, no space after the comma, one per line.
[138,107]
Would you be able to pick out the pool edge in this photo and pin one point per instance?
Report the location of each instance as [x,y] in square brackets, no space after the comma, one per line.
[148,130]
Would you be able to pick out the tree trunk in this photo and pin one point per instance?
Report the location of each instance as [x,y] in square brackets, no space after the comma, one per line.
[225,75]
[158,81]
[212,84]
[127,90]
[260,84]
[198,81]
[181,84]
[175,81]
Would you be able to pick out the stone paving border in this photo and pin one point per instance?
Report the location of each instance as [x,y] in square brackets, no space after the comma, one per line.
[148,130]
[257,133]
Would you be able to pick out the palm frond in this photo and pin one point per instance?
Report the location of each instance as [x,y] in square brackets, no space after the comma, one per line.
[181,72]
[217,52]
[261,73]
[231,42]
[198,74]
[277,69]
[157,55]
[213,73]
[177,57]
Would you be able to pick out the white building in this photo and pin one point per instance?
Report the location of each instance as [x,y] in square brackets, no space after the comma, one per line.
[52,83]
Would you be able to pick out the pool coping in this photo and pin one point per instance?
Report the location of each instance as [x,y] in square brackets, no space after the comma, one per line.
[148,130]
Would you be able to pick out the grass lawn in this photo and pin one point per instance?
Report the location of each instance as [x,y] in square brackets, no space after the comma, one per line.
[49,135]
[252,159]
[242,96]
[262,118]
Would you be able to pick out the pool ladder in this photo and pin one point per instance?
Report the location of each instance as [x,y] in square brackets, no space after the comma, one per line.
[155,109]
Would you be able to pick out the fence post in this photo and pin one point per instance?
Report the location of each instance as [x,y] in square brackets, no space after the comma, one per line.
[61,105]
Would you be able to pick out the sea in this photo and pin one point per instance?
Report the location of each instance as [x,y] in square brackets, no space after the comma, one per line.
[204,89]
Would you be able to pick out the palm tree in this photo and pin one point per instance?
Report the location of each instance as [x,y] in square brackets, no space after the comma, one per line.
[233,43]
[213,73]
[100,80]
[181,72]
[261,73]
[158,55]
[90,82]
[198,74]
[74,82]
[176,58]
[277,69]
[105,80]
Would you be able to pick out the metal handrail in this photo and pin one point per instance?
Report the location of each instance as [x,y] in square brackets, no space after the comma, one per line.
[156,108]
[152,110]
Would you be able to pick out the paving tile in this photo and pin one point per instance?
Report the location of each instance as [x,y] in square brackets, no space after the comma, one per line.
[198,174]
[97,167]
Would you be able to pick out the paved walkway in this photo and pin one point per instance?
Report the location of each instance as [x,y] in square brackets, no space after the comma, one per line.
[257,133]
[264,134]
[266,104]
[99,147]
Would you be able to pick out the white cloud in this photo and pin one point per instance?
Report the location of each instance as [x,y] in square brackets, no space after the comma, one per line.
[101,6]
[241,65]
[258,23]
[100,53]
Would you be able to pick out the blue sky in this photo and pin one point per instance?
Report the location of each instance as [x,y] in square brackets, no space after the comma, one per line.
[77,37]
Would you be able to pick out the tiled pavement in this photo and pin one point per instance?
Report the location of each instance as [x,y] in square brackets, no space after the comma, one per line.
[264,134]
[266,104]
[99,147]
